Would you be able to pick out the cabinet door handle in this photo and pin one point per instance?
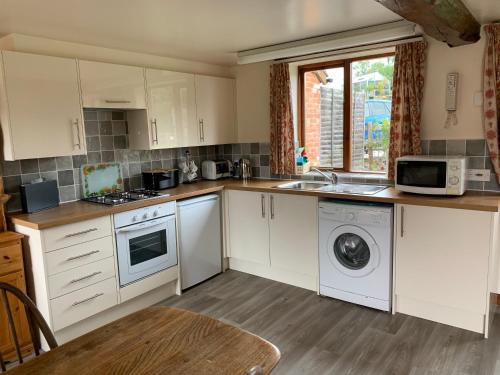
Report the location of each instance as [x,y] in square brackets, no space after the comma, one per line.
[272,207]
[109,101]
[80,233]
[85,277]
[263,205]
[87,299]
[82,255]
[202,130]
[402,221]
[154,131]
[76,123]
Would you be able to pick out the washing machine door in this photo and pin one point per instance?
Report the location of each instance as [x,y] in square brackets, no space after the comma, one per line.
[353,251]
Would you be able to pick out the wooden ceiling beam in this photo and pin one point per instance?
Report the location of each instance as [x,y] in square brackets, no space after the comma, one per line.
[446,20]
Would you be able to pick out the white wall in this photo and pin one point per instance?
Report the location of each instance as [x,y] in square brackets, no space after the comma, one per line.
[44,46]
[252,102]
[253,94]
[441,60]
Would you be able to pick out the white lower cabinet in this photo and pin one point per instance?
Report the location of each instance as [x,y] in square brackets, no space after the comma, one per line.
[274,236]
[442,264]
[249,226]
[81,277]
[74,270]
[81,304]
[293,233]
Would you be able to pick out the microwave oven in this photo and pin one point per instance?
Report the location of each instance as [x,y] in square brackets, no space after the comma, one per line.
[435,175]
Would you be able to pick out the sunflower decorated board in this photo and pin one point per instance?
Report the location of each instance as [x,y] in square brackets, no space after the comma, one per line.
[102,178]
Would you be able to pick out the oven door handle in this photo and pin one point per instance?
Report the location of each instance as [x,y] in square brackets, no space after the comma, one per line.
[136,227]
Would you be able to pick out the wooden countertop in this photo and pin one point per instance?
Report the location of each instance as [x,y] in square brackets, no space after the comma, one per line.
[77,211]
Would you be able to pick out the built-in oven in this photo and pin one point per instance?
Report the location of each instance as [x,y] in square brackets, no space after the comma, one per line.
[145,241]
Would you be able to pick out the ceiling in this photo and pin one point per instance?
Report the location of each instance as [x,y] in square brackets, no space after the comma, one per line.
[203,30]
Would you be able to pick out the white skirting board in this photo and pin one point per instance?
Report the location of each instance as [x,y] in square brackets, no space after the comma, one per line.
[274,273]
[472,321]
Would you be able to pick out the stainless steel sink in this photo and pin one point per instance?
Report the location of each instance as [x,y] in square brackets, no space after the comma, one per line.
[353,188]
[363,189]
[303,185]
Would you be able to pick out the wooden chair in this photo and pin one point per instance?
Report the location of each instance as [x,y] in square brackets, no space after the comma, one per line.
[34,318]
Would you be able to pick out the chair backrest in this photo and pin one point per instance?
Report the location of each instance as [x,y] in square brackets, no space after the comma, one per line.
[34,318]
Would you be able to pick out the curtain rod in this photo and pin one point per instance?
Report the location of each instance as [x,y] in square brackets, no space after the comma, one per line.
[342,51]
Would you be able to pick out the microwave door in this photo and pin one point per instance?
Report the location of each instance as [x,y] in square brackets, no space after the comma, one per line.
[422,176]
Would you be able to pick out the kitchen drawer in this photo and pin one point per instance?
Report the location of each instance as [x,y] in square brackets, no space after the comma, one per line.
[72,234]
[81,304]
[11,258]
[81,277]
[79,255]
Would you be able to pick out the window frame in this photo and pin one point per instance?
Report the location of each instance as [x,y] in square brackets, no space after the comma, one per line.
[347,129]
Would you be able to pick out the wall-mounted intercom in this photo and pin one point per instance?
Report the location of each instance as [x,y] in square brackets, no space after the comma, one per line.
[451,99]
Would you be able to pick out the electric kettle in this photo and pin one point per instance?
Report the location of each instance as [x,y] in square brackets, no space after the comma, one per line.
[244,169]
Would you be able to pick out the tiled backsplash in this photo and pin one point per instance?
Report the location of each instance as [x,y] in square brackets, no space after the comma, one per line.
[107,141]
[474,149]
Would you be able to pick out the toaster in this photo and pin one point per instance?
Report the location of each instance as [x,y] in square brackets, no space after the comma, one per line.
[215,169]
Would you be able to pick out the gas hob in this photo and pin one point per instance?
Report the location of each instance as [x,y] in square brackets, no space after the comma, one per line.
[113,199]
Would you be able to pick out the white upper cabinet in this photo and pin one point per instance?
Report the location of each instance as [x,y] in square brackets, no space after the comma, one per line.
[40,106]
[184,110]
[112,86]
[172,108]
[215,106]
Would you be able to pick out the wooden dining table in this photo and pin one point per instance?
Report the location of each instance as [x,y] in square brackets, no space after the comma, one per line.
[158,340]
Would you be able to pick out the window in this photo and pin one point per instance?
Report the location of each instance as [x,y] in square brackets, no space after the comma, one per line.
[345,113]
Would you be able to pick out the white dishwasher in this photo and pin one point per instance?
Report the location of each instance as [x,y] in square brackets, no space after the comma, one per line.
[200,239]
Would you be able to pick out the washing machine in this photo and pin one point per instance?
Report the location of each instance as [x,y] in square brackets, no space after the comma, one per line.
[355,252]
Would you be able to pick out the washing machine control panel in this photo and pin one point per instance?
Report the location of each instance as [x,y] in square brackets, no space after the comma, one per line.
[360,216]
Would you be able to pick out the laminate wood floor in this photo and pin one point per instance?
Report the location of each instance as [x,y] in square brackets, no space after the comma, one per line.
[319,335]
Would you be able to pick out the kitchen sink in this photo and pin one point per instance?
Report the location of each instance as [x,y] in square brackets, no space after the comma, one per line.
[362,189]
[303,185]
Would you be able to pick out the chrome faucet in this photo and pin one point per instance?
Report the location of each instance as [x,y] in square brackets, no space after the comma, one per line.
[334,178]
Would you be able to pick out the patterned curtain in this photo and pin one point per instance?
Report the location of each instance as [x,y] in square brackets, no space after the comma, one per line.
[407,93]
[491,88]
[282,137]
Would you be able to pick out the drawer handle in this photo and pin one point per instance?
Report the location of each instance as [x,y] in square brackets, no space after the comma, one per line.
[263,205]
[402,221]
[83,255]
[87,299]
[80,233]
[272,207]
[117,101]
[85,277]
